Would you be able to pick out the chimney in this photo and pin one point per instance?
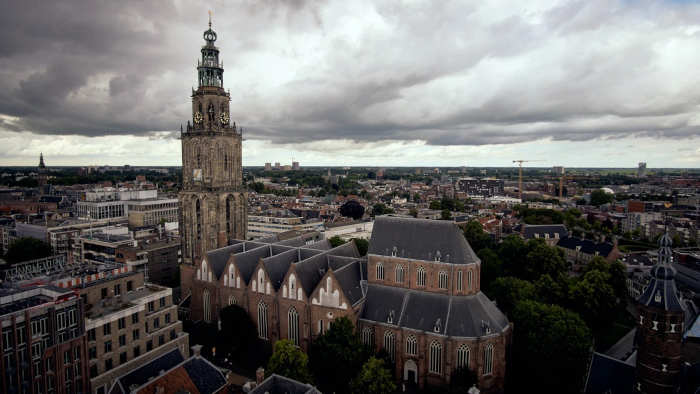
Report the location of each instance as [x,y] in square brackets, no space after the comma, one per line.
[196,350]
[259,375]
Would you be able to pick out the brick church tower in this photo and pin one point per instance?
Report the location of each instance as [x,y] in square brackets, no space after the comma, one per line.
[213,202]
[660,328]
[41,170]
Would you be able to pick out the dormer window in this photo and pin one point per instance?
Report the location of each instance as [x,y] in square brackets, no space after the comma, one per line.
[394,251]
[390,318]
[657,297]
[438,256]
[438,325]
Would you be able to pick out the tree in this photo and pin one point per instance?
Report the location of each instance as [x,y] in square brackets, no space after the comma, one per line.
[475,235]
[435,204]
[594,299]
[238,340]
[289,361]
[512,252]
[446,214]
[508,291]
[381,209]
[374,378]
[600,197]
[337,356]
[336,241]
[543,259]
[413,212]
[491,268]
[551,346]
[27,248]
[362,245]
[550,291]
[352,209]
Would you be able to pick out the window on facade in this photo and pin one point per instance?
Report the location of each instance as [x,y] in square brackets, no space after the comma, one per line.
[411,345]
[7,339]
[117,289]
[232,300]
[93,370]
[162,302]
[137,351]
[61,320]
[103,293]
[130,285]
[390,344]
[122,340]
[459,280]
[463,356]
[156,322]
[135,334]
[488,359]
[320,327]
[442,280]
[420,276]
[167,318]
[149,346]
[293,326]
[121,323]
[107,329]
[135,318]
[399,273]
[206,301]
[262,320]
[368,336]
[151,306]
[435,357]
[469,279]
[108,346]
[172,334]
[92,353]
[108,364]
[122,357]
[380,271]
[161,340]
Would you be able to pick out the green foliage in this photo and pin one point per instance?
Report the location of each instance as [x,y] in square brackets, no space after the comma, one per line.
[413,212]
[336,241]
[352,209]
[544,260]
[435,204]
[381,209]
[27,248]
[446,214]
[461,380]
[238,339]
[289,361]
[362,245]
[540,215]
[475,235]
[551,347]
[491,268]
[337,356]
[508,291]
[374,378]
[600,197]
[594,298]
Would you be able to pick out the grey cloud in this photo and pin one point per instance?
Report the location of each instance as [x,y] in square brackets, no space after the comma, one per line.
[448,73]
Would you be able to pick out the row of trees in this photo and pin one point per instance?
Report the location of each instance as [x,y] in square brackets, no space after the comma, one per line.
[557,318]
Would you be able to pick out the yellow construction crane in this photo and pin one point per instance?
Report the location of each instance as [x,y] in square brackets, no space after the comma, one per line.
[520,174]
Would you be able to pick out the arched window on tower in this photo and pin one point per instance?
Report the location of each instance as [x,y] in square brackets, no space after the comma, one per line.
[229,206]
[368,336]
[399,273]
[262,320]
[420,276]
[435,357]
[442,280]
[380,271]
[488,359]
[412,345]
[463,356]
[198,217]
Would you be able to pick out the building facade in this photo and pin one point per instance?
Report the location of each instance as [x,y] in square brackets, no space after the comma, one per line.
[152,212]
[417,296]
[213,201]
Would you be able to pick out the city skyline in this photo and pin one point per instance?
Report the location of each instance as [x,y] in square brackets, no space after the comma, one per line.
[328,85]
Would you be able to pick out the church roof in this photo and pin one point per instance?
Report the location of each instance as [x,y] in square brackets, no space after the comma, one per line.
[458,316]
[421,239]
[350,279]
[661,292]
[609,375]
[277,384]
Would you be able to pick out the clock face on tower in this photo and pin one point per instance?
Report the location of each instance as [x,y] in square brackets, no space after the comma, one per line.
[224,118]
[197,174]
[197,117]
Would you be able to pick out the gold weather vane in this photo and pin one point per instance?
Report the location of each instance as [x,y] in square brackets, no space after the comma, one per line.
[210,19]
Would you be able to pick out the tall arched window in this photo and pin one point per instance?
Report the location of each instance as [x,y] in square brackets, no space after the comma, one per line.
[420,276]
[463,356]
[436,357]
[261,281]
[399,273]
[469,279]
[488,359]
[206,303]
[292,286]
[232,300]
[229,205]
[368,336]
[231,275]
[390,344]
[459,280]
[262,320]
[198,214]
[442,280]
[293,326]
[411,345]
[380,271]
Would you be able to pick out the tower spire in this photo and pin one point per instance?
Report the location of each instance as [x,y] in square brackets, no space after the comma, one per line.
[210,19]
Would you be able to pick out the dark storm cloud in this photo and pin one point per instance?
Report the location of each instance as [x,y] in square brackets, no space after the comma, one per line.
[301,71]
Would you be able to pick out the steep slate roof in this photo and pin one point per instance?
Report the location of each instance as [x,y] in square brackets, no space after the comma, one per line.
[609,375]
[217,258]
[276,384]
[420,239]
[247,261]
[661,291]
[205,375]
[587,246]
[529,230]
[320,245]
[278,265]
[142,374]
[349,278]
[460,316]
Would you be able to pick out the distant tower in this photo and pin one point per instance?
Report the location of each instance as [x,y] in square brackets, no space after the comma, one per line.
[43,176]
[213,201]
[641,169]
[660,328]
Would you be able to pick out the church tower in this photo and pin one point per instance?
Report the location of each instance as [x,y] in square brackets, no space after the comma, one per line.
[213,202]
[660,328]
[41,170]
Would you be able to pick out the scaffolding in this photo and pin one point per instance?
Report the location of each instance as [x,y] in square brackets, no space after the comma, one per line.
[40,267]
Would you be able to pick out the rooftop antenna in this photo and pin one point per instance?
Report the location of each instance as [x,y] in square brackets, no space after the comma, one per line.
[210,19]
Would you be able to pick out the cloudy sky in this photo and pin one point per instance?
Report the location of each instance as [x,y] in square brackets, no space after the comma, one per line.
[578,83]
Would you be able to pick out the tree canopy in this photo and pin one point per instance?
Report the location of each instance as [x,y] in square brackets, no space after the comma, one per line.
[27,248]
[352,209]
[374,378]
[600,197]
[289,361]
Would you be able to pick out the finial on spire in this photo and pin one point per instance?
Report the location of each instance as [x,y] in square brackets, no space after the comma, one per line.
[210,19]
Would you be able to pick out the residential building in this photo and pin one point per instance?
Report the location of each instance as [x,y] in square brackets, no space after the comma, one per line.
[486,187]
[159,259]
[581,250]
[260,226]
[152,212]
[100,248]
